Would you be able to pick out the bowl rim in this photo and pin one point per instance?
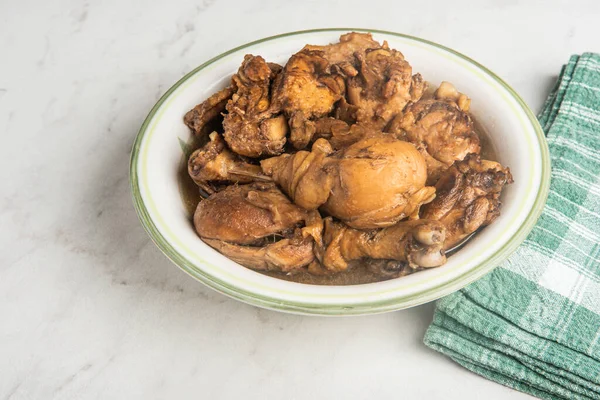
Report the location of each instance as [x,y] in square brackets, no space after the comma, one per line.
[368,307]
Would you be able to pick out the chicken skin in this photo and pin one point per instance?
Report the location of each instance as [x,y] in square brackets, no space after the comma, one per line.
[417,243]
[383,87]
[341,134]
[468,197]
[214,164]
[199,118]
[441,131]
[306,177]
[252,126]
[373,183]
[313,81]
[286,255]
[344,51]
[246,214]
[243,221]
[379,182]
[308,86]
[379,83]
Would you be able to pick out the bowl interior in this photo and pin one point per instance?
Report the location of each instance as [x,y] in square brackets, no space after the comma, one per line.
[514,135]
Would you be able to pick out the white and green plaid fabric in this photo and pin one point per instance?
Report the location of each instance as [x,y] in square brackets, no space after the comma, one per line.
[534,322]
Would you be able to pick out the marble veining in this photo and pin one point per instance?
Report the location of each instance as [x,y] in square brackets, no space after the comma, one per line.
[90,308]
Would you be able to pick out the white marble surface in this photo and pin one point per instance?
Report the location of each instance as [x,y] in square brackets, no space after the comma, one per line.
[90,309]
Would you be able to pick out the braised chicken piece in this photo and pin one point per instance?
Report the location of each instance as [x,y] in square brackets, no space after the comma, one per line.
[302,130]
[307,90]
[214,164]
[199,118]
[344,51]
[246,214]
[383,87]
[468,197]
[377,91]
[373,183]
[307,85]
[306,177]
[286,255]
[442,132]
[313,81]
[380,181]
[417,243]
[244,223]
[339,133]
[252,126]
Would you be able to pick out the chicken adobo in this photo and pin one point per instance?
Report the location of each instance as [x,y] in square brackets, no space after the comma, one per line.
[339,167]
[373,183]
[441,129]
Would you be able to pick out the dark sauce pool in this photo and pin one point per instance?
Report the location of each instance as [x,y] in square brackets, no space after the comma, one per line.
[356,274]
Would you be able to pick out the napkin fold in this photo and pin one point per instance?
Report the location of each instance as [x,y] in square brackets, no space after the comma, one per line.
[533,324]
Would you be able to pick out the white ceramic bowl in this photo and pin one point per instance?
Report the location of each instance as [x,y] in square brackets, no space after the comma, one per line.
[515,134]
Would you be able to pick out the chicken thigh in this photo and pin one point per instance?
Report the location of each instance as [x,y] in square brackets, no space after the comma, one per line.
[383,87]
[442,132]
[244,223]
[313,82]
[468,197]
[246,214]
[252,126]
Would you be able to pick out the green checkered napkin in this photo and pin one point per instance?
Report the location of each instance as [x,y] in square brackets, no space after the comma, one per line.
[533,324]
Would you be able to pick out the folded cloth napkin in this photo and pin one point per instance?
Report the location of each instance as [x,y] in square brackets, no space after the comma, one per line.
[533,324]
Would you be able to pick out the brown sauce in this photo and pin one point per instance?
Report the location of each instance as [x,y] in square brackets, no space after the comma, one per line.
[188,189]
[353,276]
[190,194]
